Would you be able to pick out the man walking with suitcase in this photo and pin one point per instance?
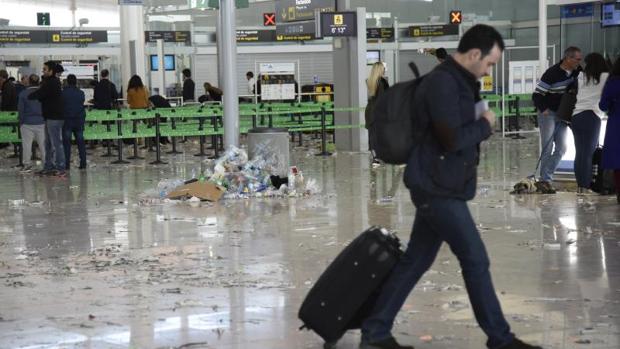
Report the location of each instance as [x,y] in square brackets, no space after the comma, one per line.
[441,176]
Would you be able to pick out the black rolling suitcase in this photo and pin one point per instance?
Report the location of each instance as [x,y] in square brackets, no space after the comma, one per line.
[602,180]
[346,292]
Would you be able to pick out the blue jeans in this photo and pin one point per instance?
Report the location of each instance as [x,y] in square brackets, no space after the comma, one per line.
[54,152]
[437,220]
[586,128]
[75,128]
[553,139]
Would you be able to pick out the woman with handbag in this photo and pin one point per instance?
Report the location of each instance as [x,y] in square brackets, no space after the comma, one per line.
[610,103]
[586,120]
[377,84]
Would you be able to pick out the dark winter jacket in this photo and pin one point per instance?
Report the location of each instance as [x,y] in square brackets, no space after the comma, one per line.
[382,86]
[50,96]
[29,110]
[444,159]
[73,99]
[189,90]
[105,95]
[9,97]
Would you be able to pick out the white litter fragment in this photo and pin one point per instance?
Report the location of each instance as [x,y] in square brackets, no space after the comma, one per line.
[552,247]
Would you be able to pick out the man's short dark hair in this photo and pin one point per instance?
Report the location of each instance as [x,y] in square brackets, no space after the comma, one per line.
[441,53]
[105,73]
[4,74]
[51,66]
[33,80]
[482,37]
[250,74]
[187,73]
[570,51]
[71,80]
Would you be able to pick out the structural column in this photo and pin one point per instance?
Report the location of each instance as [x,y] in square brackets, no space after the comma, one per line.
[349,61]
[542,36]
[227,60]
[132,43]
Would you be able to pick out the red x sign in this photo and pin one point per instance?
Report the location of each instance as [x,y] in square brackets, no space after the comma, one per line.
[456,17]
[269,19]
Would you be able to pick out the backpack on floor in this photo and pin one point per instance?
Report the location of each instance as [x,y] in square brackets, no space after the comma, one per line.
[391,131]
[602,180]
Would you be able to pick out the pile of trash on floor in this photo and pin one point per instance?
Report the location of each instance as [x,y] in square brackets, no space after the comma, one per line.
[235,176]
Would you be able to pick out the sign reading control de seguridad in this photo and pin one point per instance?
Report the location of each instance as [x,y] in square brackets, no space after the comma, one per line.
[53,36]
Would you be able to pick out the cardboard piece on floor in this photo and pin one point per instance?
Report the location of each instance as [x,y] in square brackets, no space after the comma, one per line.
[202,190]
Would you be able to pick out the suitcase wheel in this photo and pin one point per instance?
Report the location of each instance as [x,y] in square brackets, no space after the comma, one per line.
[330,345]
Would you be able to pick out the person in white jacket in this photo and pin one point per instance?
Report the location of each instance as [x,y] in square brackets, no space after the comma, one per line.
[586,123]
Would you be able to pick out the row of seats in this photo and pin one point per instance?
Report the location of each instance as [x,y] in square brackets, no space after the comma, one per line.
[191,121]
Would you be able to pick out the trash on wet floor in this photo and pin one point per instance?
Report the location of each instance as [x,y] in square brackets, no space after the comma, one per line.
[235,176]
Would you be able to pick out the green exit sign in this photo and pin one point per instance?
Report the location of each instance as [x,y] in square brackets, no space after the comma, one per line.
[216,3]
[43,18]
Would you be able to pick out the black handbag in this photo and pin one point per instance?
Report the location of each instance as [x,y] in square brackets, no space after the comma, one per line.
[567,106]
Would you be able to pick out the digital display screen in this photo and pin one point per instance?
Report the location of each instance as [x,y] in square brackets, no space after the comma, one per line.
[169,63]
[610,14]
[338,24]
[372,57]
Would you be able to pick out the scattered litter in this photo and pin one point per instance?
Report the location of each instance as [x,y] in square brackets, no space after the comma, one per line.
[552,246]
[426,338]
[176,290]
[455,305]
[187,303]
[583,341]
[587,330]
[16,203]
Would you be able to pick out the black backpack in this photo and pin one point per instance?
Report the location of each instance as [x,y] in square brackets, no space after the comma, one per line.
[392,132]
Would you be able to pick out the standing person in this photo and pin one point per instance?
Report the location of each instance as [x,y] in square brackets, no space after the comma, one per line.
[9,95]
[75,118]
[105,94]
[441,176]
[31,123]
[556,81]
[137,94]
[610,102]
[50,96]
[21,85]
[586,122]
[376,84]
[251,83]
[189,86]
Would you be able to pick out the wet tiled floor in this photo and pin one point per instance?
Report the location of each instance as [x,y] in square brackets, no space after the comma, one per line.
[85,263]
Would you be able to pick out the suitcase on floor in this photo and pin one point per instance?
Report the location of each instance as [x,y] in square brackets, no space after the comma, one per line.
[346,292]
[602,180]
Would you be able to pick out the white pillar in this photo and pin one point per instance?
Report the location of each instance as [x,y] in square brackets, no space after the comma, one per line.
[228,60]
[396,68]
[349,61]
[133,59]
[161,71]
[542,36]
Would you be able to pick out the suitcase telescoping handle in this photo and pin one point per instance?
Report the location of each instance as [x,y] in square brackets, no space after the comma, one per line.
[389,236]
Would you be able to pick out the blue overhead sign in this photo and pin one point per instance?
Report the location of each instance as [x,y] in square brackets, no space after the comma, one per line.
[577,10]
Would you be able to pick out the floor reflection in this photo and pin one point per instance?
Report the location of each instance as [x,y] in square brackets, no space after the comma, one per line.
[84,263]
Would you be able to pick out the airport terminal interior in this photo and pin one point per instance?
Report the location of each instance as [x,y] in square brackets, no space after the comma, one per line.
[211,159]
